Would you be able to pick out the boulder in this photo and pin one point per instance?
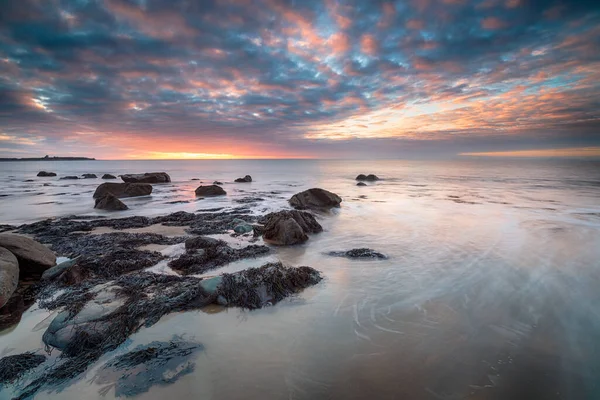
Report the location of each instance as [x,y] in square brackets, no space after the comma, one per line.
[285,228]
[34,257]
[108,176]
[359,253]
[89,176]
[361,184]
[69,177]
[246,179]
[121,190]
[110,202]
[46,174]
[148,177]
[211,190]
[370,177]
[9,275]
[315,198]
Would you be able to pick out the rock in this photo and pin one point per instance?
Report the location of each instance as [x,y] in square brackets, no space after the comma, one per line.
[315,198]
[243,228]
[358,253]
[46,174]
[202,242]
[289,227]
[69,177]
[361,184]
[58,270]
[121,190]
[245,179]
[9,275]
[108,176]
[211,190]
[195,179]
[28,180]
[148,177]
[34,257]
[110,202]
[211,284]
[89,176]
[217,183]
[370,177]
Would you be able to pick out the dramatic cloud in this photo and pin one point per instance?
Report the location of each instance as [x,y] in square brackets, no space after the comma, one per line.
[284,78]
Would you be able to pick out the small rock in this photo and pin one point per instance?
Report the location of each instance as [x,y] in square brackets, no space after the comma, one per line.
[46,174]
[358,253]
[148,177]
[9,275]
[243,228]
[361,184]
[108,176]
[315,198]
[28,180]
[217,183]
[211,190]
[195,179]
[58,270]
[89,176]
[69,177]
[370,177]
[245,179]
[110,202]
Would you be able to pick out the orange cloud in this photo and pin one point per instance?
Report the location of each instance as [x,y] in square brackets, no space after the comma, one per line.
[492,23]
[568,152]
[339,43]
[415,24]
[368,44]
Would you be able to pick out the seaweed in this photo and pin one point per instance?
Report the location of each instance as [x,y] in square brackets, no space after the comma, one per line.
[14,367]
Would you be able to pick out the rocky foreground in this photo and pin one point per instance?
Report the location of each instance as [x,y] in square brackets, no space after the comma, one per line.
[103,293]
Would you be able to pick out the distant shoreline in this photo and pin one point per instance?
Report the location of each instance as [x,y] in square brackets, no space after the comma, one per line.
[49,159]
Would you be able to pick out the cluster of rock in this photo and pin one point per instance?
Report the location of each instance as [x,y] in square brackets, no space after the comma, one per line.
[21,258]
[368,178]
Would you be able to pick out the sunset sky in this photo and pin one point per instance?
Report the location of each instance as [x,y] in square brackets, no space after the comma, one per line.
[120,79]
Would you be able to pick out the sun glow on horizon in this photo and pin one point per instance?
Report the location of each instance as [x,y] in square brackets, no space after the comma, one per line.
[567,152]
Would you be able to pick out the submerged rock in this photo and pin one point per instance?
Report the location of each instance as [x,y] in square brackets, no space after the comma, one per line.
[14,367]
[69,177]
[34,257]
[148,177]
[156,363]
[370,177]
[289,227]
[209,191]
[46,174]
[217,183]
[243,228]
[361,184]
[315,198]
[9,275]
[246,179]
[121,190]
[59,269]
[358,253]
[110,202]
[108,176]
[89,176]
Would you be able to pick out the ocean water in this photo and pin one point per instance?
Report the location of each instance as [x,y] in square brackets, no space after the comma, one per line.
[491,289]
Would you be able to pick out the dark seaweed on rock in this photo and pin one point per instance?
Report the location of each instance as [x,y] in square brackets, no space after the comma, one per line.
[248,288]
[119,262]
[157,363]
[14,367]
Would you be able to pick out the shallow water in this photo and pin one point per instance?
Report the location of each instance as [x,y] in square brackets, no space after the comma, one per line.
[490,290]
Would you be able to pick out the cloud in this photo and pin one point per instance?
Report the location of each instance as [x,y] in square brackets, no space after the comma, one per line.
[279,77]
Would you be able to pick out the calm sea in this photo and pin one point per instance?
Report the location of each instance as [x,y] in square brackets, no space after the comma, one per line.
[491,289]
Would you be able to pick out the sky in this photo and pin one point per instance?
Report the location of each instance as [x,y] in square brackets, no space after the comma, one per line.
[144,79]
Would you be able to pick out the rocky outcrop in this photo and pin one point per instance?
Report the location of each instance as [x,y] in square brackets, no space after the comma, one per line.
[33,257]
[210,190]
[369,178]
[285,228]
[246,179]
[108,176]
[69,177]
[110,202]
[359,253]
[9,275]
[46,174]
[121,190]
[89,176]
[315,199]
[148,177]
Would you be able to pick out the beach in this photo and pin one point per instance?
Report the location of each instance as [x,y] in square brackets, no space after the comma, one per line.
[489,270]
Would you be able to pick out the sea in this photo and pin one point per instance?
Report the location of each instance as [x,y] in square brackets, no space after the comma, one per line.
[491,289]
